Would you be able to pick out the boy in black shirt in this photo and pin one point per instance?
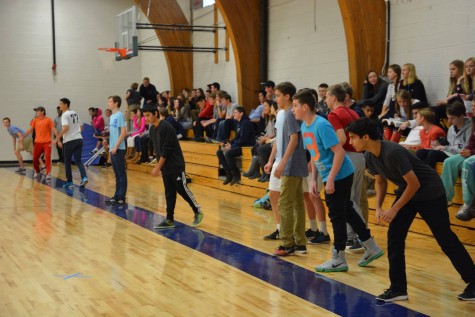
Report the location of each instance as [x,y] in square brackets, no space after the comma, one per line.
[171,165]
[420,190]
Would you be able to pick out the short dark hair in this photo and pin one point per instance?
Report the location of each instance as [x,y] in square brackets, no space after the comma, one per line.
[348,88]
[323,85]
[456,109]
[367,103]
[66,101]
[150,108]
[163,111]
[199,98]
[362,127]
[6,118]
[286,88]
[305,96]
[240,109]
[338,91]
[116,99]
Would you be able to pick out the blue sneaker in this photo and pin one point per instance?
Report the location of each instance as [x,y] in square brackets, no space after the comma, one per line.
[68,185]
[83,182]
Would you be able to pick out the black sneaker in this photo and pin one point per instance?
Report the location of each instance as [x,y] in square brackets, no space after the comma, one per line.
[300,249]
[356,247]
[273,236]
[165,224]
[309,234]
[320,238]
[110,201]
[284,251]
[468,293]
[390,296]
[21,171]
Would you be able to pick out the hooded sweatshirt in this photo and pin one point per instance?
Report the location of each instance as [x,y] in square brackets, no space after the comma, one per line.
[459,140]
[98,121]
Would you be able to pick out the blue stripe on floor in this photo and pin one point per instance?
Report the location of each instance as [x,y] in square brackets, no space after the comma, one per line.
[320,290]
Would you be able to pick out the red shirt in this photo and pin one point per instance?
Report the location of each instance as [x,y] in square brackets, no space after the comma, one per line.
[433,134]
[207,112]
[339,118]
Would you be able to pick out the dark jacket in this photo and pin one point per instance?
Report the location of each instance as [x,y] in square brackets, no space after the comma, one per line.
[245,133]
[166,145]
[148,93]
[416,90]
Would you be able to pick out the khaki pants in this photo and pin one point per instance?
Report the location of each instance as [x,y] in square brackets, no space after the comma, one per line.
[292,212]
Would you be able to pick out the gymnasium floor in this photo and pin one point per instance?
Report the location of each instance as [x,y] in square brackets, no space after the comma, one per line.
[64,253]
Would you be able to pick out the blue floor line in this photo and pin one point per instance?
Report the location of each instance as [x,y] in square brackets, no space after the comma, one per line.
[334,296]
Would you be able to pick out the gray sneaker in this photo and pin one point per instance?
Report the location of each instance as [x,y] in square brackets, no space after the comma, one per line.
[336,264]
[371,252]
[20,171]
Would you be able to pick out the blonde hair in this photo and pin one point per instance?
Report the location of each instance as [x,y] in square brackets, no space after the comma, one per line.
[428,114]
[412,74]
[466,80]
[453,81]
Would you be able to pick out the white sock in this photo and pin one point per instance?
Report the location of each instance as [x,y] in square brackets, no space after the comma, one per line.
[313,224]
[322,227]
[278,227]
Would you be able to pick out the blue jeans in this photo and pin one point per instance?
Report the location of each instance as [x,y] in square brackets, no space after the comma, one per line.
[73,149]
[118,165]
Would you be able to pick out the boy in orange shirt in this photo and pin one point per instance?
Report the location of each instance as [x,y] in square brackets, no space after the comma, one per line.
[43,126]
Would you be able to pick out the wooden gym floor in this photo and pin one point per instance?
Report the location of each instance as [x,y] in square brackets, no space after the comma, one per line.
[63,253]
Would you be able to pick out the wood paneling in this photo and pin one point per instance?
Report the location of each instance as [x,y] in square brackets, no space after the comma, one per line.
[180,65]
[242,22]
[365,29]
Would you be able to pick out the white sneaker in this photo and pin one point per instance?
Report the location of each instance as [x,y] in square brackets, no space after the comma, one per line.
[462,209]
[48,176]
[36,174]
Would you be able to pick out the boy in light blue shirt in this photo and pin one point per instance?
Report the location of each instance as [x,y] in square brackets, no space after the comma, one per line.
[336,170]
[117,150]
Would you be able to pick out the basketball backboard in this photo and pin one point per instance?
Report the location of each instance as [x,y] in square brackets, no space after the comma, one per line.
[126,36]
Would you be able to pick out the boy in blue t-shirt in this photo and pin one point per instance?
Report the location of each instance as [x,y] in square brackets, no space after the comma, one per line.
[117,147]
[336,170]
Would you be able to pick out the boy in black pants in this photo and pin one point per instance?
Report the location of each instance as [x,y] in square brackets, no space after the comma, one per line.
[171,165]
[420,190]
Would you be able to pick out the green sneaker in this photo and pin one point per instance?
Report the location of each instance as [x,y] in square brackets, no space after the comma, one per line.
[198,219]
[165,224]
[336,264]
[371,253]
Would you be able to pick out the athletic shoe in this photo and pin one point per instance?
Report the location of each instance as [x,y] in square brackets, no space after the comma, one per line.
[284,251]
[309,234]
[273,236]
[48,177]
[371,253]
[20,170]
[300,249]
[165,224]
[84,182]
[390,296]
[462,210]
[198,219]
[467,215]
[468,293]
[93,151]
[356,247]
[42,169]
[68,185]
[35,174]
[106,165]
[110,201]
[336,264]
[320,238]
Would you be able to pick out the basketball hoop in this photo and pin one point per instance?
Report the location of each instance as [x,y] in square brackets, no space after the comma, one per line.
[108,56]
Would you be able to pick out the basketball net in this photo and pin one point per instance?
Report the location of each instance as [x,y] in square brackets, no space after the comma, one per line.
[108,56]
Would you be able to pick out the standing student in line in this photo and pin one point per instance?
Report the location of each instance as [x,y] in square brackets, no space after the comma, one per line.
[420,190]
[59,128]
[19,144]
[117,133]
[337,174]
[291,170]
[171,166]
[72,143]
[43,126]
